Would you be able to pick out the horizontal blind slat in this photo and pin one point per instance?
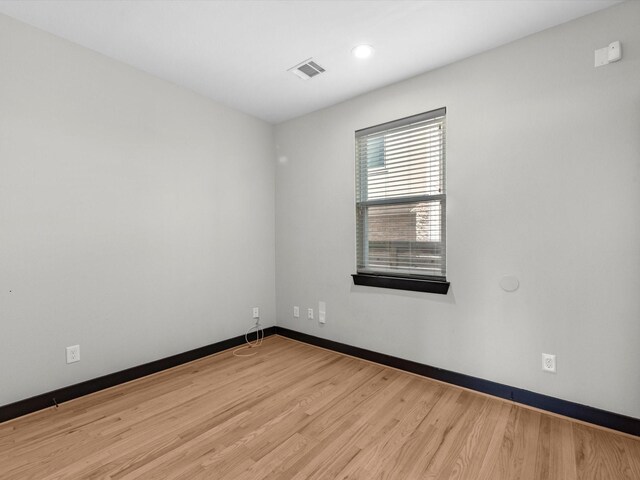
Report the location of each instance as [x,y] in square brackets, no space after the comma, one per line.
[401,200]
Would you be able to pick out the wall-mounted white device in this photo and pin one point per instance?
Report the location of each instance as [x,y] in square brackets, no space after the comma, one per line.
[73,354]
[609,54]
[549,362]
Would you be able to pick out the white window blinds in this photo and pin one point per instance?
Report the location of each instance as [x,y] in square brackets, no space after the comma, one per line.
[400,197]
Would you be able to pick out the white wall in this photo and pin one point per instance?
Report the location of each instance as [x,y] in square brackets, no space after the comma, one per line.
[136,217]
[543,182]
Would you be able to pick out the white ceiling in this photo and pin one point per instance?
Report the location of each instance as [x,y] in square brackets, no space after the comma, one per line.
[238,52]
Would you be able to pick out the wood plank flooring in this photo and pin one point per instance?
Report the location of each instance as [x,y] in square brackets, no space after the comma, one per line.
[294,411]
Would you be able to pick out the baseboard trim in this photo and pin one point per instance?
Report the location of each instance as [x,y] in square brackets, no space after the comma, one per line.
[596,416]
[49,399]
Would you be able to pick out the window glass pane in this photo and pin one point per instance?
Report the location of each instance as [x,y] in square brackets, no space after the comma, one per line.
[400,191]
[405,238]
[375,152]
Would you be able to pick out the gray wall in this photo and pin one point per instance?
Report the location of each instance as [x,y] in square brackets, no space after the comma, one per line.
[136,219]
[544,183]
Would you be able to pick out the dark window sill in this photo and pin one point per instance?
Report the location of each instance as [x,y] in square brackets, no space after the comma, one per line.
[402,283]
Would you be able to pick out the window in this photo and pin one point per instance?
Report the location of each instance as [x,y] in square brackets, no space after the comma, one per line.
[401,204]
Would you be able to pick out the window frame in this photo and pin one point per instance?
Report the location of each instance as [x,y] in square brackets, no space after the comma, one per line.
[396,279]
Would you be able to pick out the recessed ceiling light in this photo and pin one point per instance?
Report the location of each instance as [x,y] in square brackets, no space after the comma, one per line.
[362,51]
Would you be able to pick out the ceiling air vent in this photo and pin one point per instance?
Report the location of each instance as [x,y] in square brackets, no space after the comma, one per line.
[306,69]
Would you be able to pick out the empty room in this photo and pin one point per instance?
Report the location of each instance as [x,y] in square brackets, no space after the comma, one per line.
[318,239]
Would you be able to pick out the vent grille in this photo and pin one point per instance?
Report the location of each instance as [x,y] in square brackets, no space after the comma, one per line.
[307,69]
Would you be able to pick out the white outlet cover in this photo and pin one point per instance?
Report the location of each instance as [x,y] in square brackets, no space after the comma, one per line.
[73,354]
[296,312]
[549,363]
[322,312]
[310,313]
[256,312]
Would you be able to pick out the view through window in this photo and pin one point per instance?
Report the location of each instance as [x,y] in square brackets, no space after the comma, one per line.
[400,197]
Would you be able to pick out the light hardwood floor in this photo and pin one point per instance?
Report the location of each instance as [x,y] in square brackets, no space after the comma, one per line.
[294,411]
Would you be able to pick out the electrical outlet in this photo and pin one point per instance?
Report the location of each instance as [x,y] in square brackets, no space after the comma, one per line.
[310,314]
[296,312]
[549,363]
[322,312]
[256,312]
[73,354]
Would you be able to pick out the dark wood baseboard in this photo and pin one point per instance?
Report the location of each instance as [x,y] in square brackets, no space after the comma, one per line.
[596,416]
[49,399]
